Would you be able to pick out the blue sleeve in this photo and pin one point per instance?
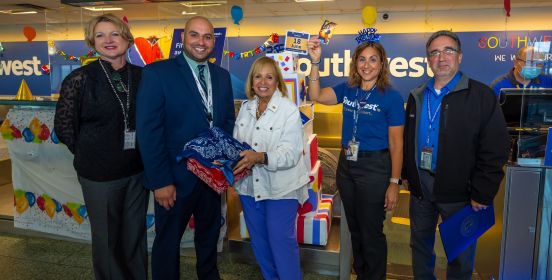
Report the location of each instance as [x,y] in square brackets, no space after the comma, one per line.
[150,130]
[340,90]
[395,114]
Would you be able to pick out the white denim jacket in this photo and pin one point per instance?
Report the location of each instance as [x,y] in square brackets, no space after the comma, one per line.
[279,133]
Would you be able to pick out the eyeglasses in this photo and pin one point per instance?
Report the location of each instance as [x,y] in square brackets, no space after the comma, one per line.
[537,63]
[445,52]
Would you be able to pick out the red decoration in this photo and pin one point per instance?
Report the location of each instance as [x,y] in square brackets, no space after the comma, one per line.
[125,19]
[40,202]
[213,177]
[44,132]
[16,133]
[29,32]
[507,7]
[275,38]
[45,69]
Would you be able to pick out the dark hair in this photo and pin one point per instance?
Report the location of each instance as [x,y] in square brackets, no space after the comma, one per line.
[447,33]
[382,81]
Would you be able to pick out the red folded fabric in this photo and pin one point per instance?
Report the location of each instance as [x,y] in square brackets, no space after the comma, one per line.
[213,177]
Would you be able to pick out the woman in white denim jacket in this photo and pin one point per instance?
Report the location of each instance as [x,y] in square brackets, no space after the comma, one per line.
[271,124]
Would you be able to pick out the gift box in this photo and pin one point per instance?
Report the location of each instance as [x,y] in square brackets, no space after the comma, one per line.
[311,151]
[314,227]
[287,61]
[314,191]
[295,83]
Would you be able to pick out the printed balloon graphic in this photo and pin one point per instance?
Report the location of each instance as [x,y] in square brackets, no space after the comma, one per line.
[34,126]
[28,135]
[30,198]
[191,223]
[49,206]
[150,220]
[44,132]
[40,202]
[16,133]
[5,130]
[29,32]
[21,203]
[58,205]
[67,211]
[82,211]
[54,137]
[72,209]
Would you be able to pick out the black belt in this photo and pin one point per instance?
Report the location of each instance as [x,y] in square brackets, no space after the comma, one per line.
[429,172]
[371,153]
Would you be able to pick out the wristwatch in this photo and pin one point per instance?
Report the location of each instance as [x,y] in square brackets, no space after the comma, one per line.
[397,181]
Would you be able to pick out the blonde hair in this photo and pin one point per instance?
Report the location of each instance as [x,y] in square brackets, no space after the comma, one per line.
[256,68]
[89,36]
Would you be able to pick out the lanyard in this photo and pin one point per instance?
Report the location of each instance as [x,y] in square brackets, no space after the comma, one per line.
[431,117]
[206,98]
[127,91]
[357,109]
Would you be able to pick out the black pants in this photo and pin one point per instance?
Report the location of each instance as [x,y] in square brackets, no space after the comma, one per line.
[117,213]
[362,186]
[424,214]
[204,204]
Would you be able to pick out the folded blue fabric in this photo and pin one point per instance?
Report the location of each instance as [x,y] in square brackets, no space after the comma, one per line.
[215,144]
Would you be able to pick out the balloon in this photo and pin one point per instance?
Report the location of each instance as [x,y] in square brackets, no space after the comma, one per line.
[150,219]
[21,205]
[29,32]
[237,14]
[44,132]
[67,210]
[40,202]
[30,198]
[82,211]
[34,126]
[54,137]
[28,135]
[191,223]
[369,15]
[16,133]
[19,193]
[78,218]
[50,208]
[58,205]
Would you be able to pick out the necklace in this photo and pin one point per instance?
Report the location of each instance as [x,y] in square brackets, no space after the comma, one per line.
[125,90]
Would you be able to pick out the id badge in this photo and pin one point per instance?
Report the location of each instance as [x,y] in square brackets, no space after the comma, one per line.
[130,140]
[352,150]
[427,154]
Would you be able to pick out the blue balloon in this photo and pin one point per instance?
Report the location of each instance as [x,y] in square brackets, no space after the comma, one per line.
[237,14]
[150,219]
[82,211]
[58,205]
[28,135]
[30,198]
[54,137]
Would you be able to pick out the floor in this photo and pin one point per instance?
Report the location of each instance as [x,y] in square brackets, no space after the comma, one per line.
[25,257]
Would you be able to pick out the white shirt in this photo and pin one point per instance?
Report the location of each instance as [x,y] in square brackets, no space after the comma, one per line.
[279,133]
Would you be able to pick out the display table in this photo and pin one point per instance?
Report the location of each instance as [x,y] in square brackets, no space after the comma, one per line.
[47,194]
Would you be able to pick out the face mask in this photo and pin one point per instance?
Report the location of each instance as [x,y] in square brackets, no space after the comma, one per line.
[529,72]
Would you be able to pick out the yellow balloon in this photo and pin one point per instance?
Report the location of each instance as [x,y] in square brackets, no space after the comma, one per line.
[78,218]
[369,15]
[21,205]
[50,208]
[34,126]
[5,127]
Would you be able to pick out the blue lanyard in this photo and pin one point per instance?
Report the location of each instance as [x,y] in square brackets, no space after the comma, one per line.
[357,109]
[431,117]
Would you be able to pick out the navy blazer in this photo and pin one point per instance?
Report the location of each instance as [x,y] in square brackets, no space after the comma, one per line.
[169,113]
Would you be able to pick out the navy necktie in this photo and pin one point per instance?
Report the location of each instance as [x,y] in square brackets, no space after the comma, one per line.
[202,81]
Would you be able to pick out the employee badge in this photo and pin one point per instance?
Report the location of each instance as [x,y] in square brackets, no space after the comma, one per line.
[130,140]
[352,150]
[427,154]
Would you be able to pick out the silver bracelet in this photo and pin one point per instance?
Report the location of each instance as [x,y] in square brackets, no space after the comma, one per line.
[315,63]
[313,79]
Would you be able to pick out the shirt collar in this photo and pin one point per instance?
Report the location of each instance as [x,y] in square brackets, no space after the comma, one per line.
[192,62]
[447,88]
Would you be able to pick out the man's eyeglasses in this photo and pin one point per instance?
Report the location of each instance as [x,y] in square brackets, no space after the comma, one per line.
[537,63]
[445,52]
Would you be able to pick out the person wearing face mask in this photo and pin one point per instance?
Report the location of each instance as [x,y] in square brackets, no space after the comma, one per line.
[95,118]
[369,168]
[270,123]
[526,73]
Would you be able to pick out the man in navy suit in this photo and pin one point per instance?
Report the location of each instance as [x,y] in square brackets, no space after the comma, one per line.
[177,100]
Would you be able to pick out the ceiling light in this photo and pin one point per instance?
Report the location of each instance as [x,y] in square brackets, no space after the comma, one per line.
[103,9]
[303,1]
[17,12]
[188,13]
[203,4]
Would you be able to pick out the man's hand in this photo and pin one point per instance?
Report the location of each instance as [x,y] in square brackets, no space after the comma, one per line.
[165,196]
[477,206]
[391,197]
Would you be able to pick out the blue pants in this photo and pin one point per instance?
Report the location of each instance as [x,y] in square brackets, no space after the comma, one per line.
[273,233]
